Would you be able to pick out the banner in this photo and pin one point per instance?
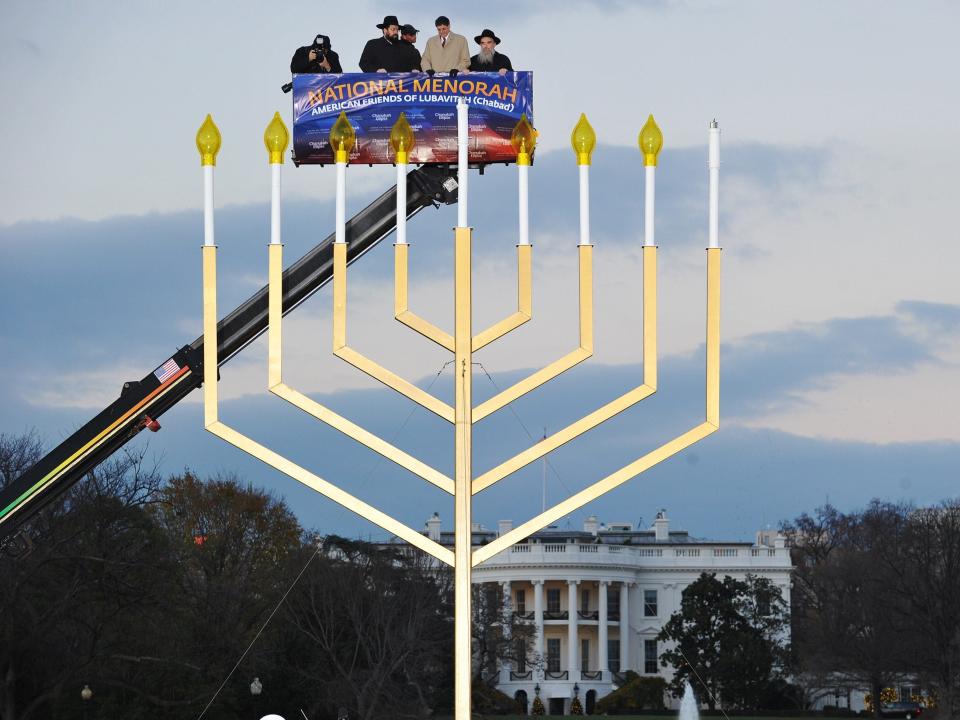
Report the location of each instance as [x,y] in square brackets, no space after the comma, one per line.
[374,101]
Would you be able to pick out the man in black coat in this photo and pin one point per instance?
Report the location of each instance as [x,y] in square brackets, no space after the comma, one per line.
[488,59]
[316,58]
[384,54]
[411,56]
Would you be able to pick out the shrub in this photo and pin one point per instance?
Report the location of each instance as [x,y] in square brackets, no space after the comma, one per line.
[637,693]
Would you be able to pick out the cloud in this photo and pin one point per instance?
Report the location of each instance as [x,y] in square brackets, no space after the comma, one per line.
[935,317]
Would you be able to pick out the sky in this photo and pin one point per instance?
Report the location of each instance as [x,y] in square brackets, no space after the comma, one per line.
[841,309]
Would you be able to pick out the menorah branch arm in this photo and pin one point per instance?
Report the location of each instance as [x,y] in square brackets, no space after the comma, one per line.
[315,409]
[571,359]
[331,491]
[361,362]
[524,302]
[401,310]
[711,425]
[612,408]
[593,492]
[264,454]
[364,437]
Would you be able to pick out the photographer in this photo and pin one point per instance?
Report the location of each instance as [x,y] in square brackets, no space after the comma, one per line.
[316,58]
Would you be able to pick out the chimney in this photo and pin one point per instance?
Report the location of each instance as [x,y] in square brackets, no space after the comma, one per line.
[433,527]
[591,525]
[661,526]
[504,526]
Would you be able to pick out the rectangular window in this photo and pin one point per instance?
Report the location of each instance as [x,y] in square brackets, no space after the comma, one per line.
[649,603]
[553,600]
[521,602]
[584,654]
[613,603]
[521,655]
[763,606]
[650,657]
[584,601]
[553,654]
[613,655]
[493,596]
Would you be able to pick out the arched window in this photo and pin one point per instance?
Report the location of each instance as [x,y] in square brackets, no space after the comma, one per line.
[520,697]
[591,701]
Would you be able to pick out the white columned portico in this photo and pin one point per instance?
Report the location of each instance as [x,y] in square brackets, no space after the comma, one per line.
[538,618]
[573,656]
[625,627]
[604,665]
[508,618]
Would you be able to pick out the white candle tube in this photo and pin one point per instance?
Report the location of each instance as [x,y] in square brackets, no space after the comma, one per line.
[463,159]
[208,205]
[524,204]
[341,235]
[584,204]
[401,203]
[275,203]
[713,162]
[649,205]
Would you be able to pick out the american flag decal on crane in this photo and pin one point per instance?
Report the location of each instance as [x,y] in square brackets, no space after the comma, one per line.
[167,370]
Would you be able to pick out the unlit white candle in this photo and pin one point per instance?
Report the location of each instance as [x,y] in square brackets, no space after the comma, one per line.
[208,205]
[401,203]
[524,204]
[341,202]
[275,203]
[463,132]
[584,204]
[713,162]
[649,205]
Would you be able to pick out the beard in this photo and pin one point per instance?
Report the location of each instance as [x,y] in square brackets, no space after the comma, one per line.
[485,57]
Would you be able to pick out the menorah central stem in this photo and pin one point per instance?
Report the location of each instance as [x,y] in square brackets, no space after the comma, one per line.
[463,403]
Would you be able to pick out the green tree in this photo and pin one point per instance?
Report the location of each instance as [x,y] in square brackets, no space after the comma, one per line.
[849,623]
[499,636]
[94,567]
[376,624]
[731,636]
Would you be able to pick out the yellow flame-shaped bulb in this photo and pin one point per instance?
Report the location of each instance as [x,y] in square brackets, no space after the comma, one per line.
[524,140]
[276,137]
[651,140]
[402,139]
[583,139]
[342,138]
[208,141]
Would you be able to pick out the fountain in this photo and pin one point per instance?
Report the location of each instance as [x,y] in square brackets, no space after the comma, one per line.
[688,705]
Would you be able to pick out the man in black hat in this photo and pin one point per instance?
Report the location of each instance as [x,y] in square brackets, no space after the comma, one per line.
[384,54]
[488,59]
[411,56]
[316,58]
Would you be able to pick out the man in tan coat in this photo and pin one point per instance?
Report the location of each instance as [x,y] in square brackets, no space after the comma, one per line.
[445,51]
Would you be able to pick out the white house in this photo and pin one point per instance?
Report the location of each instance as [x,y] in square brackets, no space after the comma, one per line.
[600,595]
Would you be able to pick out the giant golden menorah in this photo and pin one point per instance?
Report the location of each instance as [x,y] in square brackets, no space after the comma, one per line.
[462,343]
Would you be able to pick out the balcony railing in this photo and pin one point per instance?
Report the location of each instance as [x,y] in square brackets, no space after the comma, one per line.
[555,615]
[619,678]
[591,675]
[528,675]
[523,615]
[613,615]
[588,614]
[647,555]
[556,675]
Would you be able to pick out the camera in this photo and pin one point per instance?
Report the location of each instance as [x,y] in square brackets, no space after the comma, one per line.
[321,43]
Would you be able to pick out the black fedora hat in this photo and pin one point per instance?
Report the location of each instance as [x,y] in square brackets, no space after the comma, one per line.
[389,20]
[487,33]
